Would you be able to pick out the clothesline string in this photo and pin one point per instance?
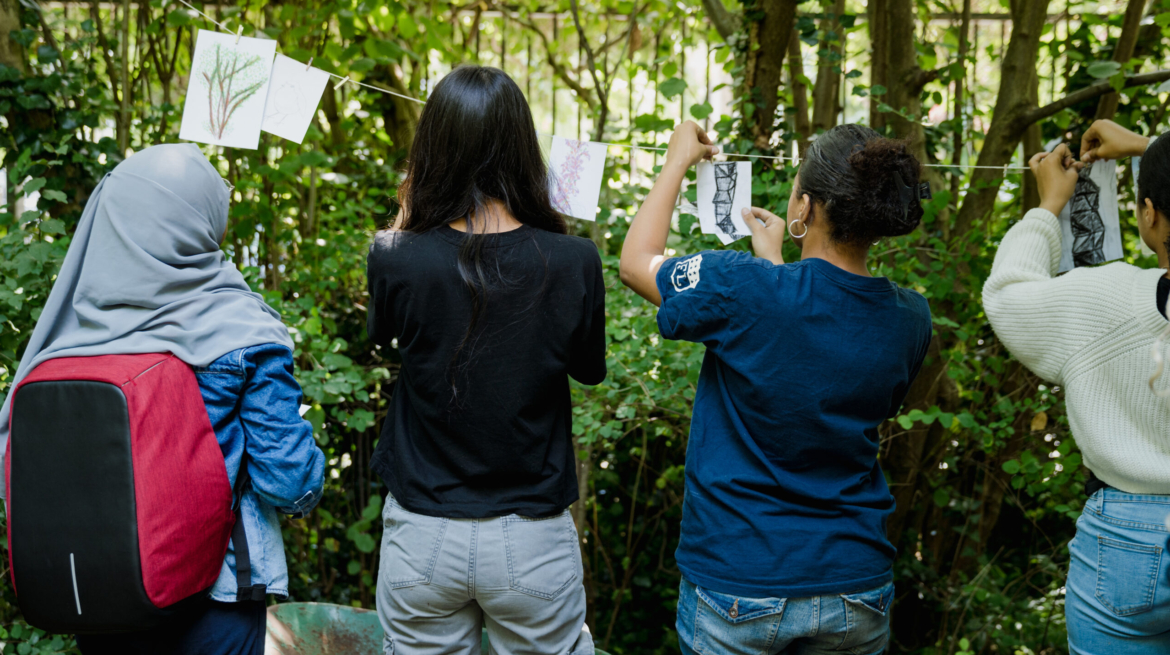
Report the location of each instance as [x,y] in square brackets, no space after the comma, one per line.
[346,78]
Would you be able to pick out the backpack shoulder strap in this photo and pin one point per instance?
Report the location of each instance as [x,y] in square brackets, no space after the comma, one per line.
[245,590]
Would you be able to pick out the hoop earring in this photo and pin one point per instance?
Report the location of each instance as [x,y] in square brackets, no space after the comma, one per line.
[797,236]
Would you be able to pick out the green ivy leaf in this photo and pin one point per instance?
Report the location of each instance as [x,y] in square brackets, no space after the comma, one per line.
[1103,69]
[1011,467]
[701,110]
[942,497]
[672,87]
[53,226]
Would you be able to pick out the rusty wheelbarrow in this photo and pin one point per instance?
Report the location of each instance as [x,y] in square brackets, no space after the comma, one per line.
[325,629]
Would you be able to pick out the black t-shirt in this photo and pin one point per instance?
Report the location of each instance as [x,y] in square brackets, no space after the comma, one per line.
[501,442]
[1163,293]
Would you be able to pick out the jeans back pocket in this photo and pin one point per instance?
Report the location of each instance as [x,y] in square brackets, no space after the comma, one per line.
[410,545]
[543,555]
[1127,575]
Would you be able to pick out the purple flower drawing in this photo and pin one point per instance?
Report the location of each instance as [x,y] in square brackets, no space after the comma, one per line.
[570,174]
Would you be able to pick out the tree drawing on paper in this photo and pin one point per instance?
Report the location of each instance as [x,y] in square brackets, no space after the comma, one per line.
[569,174]
[725,179]
[1088,229]
[232,77]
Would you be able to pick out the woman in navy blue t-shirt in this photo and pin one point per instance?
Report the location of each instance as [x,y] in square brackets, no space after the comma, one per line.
[784,521]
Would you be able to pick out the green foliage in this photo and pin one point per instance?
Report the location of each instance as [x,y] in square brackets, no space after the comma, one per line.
[992,496]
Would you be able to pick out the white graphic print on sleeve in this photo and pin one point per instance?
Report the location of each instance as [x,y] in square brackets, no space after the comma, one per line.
[686,273]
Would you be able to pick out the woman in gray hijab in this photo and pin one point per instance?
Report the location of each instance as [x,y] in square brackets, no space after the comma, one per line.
[145,274]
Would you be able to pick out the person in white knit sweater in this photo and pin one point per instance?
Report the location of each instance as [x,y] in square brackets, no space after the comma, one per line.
[1091,331]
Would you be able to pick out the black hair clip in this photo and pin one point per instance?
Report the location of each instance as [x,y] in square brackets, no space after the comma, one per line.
[907,193]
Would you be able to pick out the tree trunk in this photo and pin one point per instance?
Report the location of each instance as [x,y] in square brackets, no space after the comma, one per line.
[768,44]
[799,94]
[1122,52]
[123,126]
[1017,77]
[906,79]
[879,37]
[960,89]
[826,103]
[11,52]
[726,23]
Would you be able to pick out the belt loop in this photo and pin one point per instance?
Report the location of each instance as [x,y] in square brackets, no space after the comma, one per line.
[1097,501]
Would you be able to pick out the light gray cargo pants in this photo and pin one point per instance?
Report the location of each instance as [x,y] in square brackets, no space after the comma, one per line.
[442,580]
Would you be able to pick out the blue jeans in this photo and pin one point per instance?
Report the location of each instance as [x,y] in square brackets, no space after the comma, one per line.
[1117,599]
[712,623]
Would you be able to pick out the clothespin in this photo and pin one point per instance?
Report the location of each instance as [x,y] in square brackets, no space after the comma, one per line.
[308,64]
[1005,169]
[239,33]
[343,81]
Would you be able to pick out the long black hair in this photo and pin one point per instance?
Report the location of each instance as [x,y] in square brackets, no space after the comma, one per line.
[868,184]
[476,143]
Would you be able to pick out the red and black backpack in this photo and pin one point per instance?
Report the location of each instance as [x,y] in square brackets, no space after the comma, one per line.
[118,502]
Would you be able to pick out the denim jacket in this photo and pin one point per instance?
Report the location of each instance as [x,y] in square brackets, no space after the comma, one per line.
[253,400]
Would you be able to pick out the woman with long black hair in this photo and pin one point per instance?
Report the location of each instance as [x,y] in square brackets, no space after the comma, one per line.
[783,546]
[493,308]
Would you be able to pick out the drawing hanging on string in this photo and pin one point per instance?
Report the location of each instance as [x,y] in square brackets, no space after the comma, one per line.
[293,94]
[576,169]
[724,190]
[228,89]
[1089,224]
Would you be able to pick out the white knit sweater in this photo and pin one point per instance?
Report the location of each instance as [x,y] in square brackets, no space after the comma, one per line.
[1090,330]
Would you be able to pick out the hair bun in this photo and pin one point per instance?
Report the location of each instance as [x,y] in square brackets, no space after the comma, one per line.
[869,184]
[885,168]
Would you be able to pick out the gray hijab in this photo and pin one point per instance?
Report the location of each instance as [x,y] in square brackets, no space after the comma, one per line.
[144,273]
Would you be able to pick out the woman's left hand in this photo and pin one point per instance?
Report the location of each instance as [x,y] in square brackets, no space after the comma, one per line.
[767,233]
[1056,177]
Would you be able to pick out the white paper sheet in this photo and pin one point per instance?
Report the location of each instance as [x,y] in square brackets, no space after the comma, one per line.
[293,94]
[1089,224]
[576,169]
[227,90]
[725,188]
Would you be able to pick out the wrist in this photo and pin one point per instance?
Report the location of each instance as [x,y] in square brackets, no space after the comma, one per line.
[1052,206]
[1140,145]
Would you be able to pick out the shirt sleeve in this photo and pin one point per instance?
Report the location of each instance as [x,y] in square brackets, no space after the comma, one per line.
[926,334]
[1044,320]
[697,291]
[587,358]
[286,466]
[380,325]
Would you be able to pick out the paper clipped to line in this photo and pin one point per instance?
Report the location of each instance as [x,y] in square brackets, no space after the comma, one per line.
[576,171]
[1090,228]
[293,95]
[724,190]
[227,90]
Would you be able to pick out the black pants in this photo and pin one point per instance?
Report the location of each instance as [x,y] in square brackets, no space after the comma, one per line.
[207,628]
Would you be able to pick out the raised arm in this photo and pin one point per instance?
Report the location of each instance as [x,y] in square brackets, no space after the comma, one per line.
[644,249]
[1108,140]
[1043,319]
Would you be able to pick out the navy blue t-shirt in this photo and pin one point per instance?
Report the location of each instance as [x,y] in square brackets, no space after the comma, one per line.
[784,495]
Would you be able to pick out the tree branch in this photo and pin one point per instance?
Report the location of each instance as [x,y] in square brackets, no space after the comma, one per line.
[726,22]
[602,94]
[1088,93]
[584,94]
